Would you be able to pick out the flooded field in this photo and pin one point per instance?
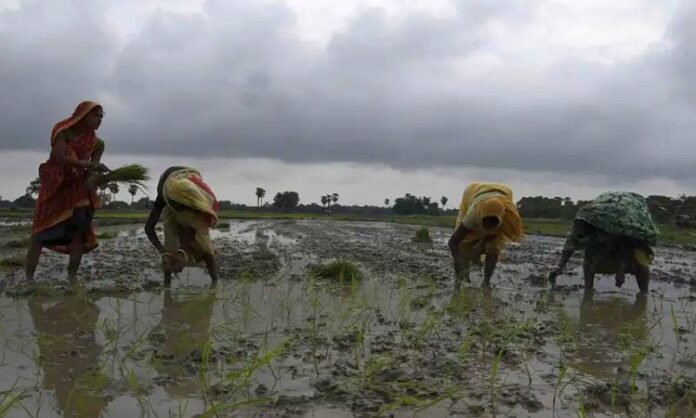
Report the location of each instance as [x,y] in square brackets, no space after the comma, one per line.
[273,340]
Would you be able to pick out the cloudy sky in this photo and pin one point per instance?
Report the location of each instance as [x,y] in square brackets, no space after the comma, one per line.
[370,99]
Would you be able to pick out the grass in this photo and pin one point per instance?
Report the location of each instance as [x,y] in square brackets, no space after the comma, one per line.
[423,235]
[551,227]
[339,270]
[12,262]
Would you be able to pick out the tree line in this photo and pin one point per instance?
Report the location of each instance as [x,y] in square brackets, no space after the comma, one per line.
[664,209]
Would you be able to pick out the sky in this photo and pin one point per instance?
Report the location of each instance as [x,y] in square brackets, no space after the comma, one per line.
[367,99]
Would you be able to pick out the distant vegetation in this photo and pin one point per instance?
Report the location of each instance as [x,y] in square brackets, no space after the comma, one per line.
[679,211]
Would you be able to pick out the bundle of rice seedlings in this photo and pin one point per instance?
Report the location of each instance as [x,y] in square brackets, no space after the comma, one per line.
[338,270]
[129,174]
[422,235]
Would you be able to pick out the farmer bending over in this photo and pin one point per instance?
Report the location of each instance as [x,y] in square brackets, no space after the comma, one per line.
[188,209]
[487,220]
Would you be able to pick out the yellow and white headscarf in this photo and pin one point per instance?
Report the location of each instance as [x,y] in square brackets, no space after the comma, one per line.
[186,188]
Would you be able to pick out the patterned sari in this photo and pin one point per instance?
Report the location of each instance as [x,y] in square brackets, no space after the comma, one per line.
[615,229]
[65,204]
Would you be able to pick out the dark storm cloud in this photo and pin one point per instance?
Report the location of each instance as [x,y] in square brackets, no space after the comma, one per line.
[236,81]
[52,54]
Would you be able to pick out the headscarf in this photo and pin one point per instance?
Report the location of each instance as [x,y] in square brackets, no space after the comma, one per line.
[494,200]
[186,188]
[80,112]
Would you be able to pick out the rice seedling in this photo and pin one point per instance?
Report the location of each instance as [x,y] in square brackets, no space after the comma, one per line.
[223,410]
[563,369]
[12,262]
[11,399]
[581,409]
[17,243]
[339,270]
[241,377]
[131,174]
[423,235]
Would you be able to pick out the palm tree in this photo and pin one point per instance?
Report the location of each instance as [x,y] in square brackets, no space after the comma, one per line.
[103,196]
[133,189]
[260,193]
[324,200]
[443,200]
[113,188]
[386,202]
[334,197]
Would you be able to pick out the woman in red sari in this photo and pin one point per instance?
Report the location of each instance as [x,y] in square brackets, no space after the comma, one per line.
[66,204]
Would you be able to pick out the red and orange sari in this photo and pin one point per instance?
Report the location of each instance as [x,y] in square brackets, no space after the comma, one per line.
[63,189]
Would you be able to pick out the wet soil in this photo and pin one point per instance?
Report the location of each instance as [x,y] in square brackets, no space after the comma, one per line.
[272,340]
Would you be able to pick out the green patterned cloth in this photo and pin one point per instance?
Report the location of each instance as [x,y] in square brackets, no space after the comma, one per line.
[613,215]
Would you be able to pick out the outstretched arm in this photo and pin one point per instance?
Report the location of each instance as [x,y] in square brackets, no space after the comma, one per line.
[211,263]
[565,256]
[152,220]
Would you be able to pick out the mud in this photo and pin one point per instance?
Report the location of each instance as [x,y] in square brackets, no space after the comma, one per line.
[272,340]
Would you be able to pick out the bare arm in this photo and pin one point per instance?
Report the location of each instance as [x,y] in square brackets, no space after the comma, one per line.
[59,154]
[212,266]
[152,220]
[489,267]
[98,152]
[565,256]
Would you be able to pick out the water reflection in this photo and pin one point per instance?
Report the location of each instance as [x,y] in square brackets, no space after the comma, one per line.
[180,340]
[69,353]
[608,331]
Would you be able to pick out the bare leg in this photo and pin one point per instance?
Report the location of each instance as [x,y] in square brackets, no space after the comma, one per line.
[77,248]
[462,274]
[589,275]
[32,259]
[167,278]
[489,268]
[643,278]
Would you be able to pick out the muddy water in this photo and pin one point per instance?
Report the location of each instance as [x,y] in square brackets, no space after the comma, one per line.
[271,340]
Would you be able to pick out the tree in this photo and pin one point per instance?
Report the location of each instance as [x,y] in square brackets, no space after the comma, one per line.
[34,186]
[334,197]
[443,201]
[324,200]
[142,203]
[386,202]
[103,195]
[113,189]
[133,189]
[540,207]
[433,209]
[286,201]
[25,201]
[412,205]
[260,193]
